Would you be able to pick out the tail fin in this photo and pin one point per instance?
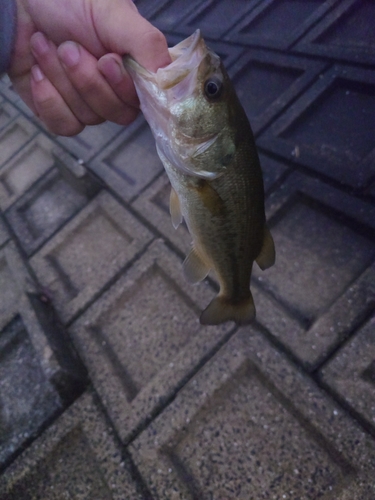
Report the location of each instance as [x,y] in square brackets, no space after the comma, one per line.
[221,309]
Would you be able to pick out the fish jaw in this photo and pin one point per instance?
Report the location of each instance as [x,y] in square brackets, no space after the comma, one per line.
[168,95]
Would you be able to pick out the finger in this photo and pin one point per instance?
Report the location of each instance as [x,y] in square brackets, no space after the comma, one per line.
[113,70]
[123,30]
[45,53]
[50,106]
[82,70]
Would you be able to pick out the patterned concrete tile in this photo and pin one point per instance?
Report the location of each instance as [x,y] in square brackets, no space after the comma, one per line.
[7,113]
[236,430]
[214,17]
[4,235]
[31,163]
[91,140]
[266,82]
[303,300]
[77,457]
[142,339]
[345,33]
[14,137]
[39,373]
[87,253]
[351,372]
[130,162]
[51,202]
[329,129]
[278,24]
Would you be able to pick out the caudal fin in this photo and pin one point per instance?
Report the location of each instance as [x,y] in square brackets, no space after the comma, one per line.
[221,309]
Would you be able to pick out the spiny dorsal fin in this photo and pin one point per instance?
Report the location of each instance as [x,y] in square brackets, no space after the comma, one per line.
[175,209]
[195,269]
[266,257]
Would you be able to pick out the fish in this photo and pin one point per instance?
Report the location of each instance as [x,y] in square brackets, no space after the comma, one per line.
[204,140]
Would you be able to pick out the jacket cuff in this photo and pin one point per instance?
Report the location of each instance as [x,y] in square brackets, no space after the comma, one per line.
[8,17]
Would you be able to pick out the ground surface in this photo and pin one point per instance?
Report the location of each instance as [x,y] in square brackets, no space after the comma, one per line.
[109,387]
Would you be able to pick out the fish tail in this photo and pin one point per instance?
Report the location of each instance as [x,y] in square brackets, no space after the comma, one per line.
[222,309]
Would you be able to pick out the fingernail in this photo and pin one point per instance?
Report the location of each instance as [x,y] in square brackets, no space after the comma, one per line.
[39,44]
[69,54]
[111,69]
[37,74]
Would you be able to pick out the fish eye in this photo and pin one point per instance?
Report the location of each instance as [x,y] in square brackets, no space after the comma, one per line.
[213,87]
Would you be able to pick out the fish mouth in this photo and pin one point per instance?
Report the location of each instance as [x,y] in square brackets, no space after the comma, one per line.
[185,56]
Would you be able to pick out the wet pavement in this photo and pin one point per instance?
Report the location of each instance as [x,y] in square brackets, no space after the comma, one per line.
[109,386]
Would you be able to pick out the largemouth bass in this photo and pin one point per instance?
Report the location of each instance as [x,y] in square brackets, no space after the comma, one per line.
[206,144]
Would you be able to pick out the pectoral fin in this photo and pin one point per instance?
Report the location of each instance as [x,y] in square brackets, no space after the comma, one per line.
[266,257]
[195,269]
[175,209]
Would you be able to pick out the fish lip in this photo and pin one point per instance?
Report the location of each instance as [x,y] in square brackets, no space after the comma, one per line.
[180,67]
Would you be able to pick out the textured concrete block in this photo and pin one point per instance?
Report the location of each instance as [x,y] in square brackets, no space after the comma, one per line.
[130,162]
[39,372]
[329,129]
[278,24]
[351,372]
[7,113]
[91,140]
[166,15]
[237,430]
[87,253]
[214,18]
[4,236]
[320,288]
[52,201]
[267,82]
[142,339]
[20,173]
[14,137]
[344,33]
[77,457]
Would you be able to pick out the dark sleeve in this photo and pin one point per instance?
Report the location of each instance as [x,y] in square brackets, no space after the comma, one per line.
[7,32]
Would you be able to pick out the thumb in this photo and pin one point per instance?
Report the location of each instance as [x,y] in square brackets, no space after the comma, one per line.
[121,29]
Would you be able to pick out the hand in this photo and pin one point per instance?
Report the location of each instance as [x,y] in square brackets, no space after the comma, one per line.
[66,63]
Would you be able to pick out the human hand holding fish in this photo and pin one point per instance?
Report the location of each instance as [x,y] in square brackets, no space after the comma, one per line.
[206,145]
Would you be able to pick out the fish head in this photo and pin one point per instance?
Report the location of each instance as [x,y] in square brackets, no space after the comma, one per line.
[189,107]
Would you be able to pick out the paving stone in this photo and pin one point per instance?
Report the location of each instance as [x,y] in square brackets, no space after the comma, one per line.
[31,163]
[351,372]
[266,82]
[142,339]
[278,23]
[51,202]
[91,140]
[7,113]
[345,33]
[130,162]
[4,236]
[330,128]
[87,253]
[77,457]
[39,371]
[321,286]
[166,15]
[214,17]
[14,137]
[236,430]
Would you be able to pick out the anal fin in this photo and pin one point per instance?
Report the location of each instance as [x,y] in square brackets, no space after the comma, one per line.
[175,209]
[267,255]
[195,269]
